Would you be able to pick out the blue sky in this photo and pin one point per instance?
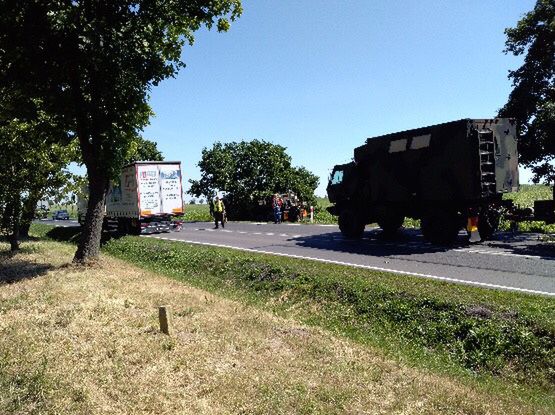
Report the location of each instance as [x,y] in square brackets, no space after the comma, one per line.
[319,77]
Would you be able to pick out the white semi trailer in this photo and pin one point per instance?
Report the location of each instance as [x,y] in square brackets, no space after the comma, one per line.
[144,200]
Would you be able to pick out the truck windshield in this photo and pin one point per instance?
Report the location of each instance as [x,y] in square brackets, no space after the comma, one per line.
[337,177]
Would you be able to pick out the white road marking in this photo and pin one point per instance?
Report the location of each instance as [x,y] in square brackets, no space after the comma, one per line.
[283,234]
[350,264]
[257,233]
[270,233]
[226,230]
[241,232]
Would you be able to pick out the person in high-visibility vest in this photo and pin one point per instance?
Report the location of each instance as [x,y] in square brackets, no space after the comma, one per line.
[219,210]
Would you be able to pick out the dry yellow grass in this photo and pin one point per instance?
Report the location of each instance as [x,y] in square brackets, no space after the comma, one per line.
[86,341]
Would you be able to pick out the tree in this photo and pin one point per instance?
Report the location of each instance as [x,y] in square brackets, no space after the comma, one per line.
[142,149]
[32,165]
[93,64]
[532,100]
[249,171]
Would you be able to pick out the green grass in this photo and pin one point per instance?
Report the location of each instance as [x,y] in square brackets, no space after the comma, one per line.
[528,193]
[496,335]
[197,213]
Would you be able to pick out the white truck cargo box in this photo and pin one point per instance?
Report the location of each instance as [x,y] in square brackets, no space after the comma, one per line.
[146,189]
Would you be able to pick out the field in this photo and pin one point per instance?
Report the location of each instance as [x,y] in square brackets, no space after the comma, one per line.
[259,334]
[197,213]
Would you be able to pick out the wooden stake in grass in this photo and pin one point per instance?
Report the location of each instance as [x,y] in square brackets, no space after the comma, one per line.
[164,316]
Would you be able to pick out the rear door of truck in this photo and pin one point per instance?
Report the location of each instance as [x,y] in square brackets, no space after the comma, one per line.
[171,199]
[148,178]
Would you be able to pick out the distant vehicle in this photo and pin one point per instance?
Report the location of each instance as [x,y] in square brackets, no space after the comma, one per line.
[144,200]
[292,209]
[60,215]
[447,175]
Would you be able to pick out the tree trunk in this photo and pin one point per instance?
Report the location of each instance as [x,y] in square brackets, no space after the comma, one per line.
[14,238]
[16,212]
[89,245]
[28,214]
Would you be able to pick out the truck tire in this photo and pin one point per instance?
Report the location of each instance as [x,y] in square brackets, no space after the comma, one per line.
[294,214]
[488,222]
[390,223]
[350,225]
[441,226]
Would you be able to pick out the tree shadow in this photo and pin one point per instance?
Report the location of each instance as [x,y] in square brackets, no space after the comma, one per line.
[72,234]
[410,241]
[525,244]
[13,270]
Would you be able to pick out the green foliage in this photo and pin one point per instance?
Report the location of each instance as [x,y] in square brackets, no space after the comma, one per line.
[251,171]
[510,337]
[528,193]
[33,166]
[142,149]
[321,215]
[532,101]
[92,66]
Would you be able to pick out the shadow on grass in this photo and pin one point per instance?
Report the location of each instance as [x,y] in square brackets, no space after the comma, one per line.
[73,234]
[13,270]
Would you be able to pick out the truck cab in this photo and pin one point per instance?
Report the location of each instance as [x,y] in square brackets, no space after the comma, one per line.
[340,185]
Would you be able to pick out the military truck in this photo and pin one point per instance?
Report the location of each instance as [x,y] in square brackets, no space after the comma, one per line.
[447,175]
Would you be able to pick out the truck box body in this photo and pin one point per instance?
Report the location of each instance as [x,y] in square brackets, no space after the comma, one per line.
[146,189]
[443,174]
[143,200]
[460,160]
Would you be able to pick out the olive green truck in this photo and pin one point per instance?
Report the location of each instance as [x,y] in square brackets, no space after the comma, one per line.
[448,175]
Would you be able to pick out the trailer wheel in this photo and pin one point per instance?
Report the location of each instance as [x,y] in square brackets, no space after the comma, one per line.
[390,223]
[488,222]
[441,226]
[350,225]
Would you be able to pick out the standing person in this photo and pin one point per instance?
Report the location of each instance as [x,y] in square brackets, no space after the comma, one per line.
[277,208]
[219,210]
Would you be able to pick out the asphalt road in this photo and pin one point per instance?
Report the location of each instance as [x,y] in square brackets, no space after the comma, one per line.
[520,262]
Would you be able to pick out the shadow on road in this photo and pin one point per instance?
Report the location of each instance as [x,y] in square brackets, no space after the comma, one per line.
[411,242]
[523,244]
[376,243]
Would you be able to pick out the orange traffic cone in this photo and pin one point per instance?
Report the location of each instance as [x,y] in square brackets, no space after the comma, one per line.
[472,227]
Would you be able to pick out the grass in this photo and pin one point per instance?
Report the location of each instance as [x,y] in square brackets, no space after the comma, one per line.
[197,213]
[528,193]
[86,341]
[505,340]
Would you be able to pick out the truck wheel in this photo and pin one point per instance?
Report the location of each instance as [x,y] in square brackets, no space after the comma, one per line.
[293,214]
[488,222]
[390,223]
[441,227]
[350,225]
